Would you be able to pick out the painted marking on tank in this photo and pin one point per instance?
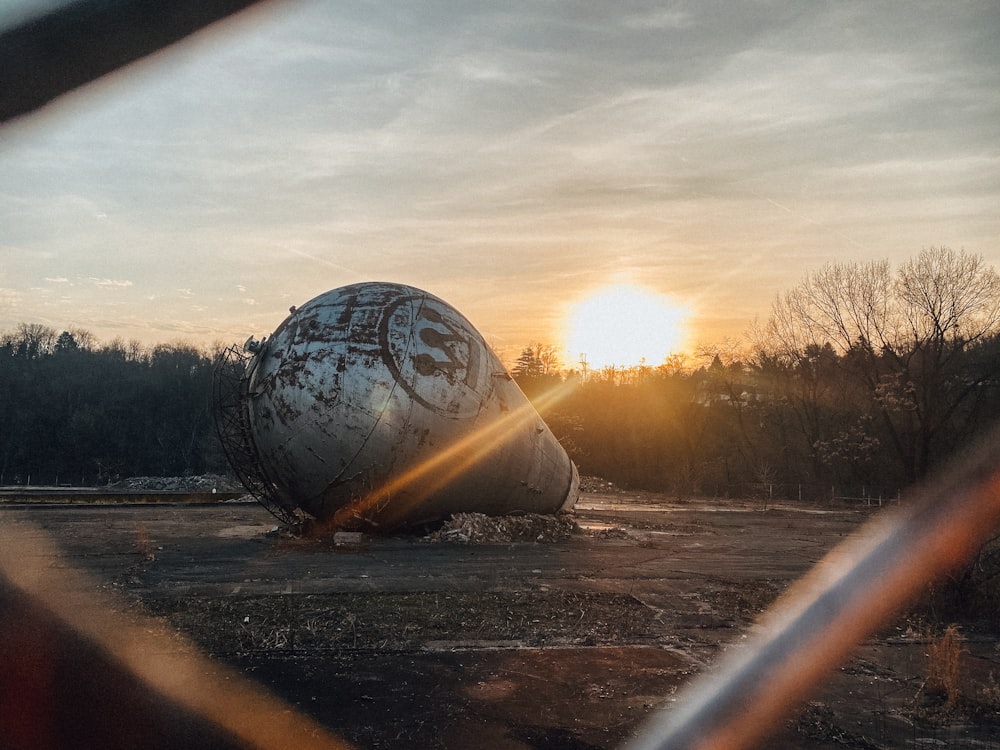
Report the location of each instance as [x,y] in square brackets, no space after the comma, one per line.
[444,347]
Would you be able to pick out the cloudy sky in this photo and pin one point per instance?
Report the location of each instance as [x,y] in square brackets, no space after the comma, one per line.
[508,157]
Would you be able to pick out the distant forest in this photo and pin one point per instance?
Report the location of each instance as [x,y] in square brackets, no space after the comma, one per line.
[75,412]
[861,381]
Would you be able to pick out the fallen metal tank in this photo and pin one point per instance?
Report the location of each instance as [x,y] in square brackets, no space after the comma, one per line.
[377,406]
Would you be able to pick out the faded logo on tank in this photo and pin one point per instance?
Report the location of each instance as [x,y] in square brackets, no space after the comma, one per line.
[434,355]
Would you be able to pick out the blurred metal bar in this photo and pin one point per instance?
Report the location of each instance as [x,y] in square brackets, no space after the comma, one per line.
[858,587]
[80,668]
[52,54]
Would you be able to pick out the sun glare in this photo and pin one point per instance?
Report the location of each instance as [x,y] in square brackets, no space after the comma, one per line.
[624,325]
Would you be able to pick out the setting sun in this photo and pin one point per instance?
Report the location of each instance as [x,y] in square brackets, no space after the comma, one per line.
[623,325]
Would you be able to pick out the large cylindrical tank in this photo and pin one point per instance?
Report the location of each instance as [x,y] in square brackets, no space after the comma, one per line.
[378,405]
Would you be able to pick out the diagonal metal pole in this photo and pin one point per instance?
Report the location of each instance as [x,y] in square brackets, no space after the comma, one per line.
[78,42]
[847,596]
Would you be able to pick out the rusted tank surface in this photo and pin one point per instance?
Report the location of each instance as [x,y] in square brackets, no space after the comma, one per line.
[378,405]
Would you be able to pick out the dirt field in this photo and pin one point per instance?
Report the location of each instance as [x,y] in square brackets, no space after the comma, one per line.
[413,642]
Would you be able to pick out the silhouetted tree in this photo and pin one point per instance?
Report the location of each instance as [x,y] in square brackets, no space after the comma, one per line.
[905,338]
[537,369]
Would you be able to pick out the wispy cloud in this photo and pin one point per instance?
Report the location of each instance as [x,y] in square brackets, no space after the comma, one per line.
[662,18]
[506,158]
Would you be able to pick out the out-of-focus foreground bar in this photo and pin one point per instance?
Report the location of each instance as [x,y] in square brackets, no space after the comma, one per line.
[78,42]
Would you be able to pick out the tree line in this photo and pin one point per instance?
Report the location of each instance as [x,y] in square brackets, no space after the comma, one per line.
[861,381]
[76,412]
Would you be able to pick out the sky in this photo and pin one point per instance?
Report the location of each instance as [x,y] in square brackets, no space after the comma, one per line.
[511,158]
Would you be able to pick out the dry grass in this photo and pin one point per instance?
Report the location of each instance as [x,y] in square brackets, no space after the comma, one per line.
[143,546]
[943,666]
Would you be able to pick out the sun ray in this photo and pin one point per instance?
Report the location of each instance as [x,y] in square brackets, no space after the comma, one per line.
[447,464]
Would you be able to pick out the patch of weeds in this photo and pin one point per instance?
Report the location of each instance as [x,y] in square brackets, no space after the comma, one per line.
[952,692]
[987,699]
[143,546]
[943,674]
[971,595]
[818,722]
[745,599]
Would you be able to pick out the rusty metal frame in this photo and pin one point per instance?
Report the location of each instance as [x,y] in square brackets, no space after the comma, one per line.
[230,384]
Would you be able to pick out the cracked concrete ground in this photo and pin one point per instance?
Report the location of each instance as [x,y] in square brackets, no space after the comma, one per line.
[410,643]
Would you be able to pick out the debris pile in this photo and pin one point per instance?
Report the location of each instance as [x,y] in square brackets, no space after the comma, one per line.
[201,483]
[597,484]
[613,532]
[476,528]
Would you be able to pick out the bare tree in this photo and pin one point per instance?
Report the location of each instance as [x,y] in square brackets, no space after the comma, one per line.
[948,298]
[83,338]
[905,337]
[842,304]
[129,351]
[33,340]
[548,357]
[949,302]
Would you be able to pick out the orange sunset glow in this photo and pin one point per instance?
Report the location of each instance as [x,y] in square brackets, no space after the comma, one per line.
[624,325]
[512,161]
